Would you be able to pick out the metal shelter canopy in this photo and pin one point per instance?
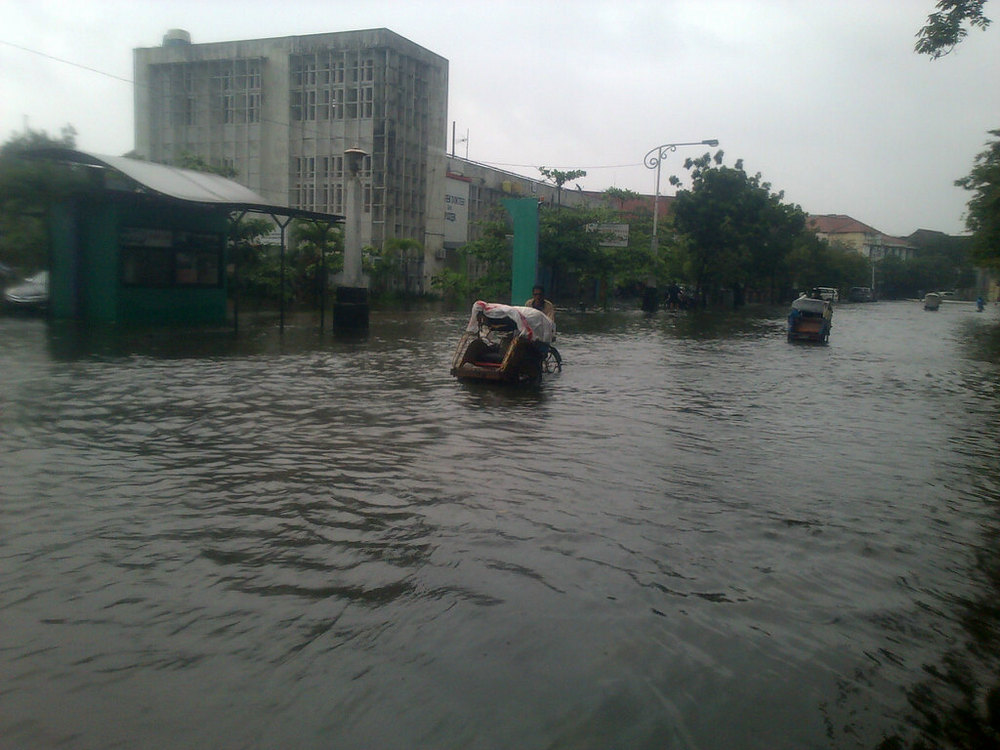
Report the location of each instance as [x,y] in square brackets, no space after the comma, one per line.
[200,189]
[186,185]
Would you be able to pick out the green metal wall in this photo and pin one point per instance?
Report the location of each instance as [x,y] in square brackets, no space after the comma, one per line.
[86,263]
[524,265]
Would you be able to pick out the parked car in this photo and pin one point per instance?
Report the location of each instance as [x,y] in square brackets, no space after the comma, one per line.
[828,293]
[860,294]
[31,295]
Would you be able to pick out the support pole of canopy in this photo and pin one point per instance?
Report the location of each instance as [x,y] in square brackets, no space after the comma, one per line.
[234,225]
[322,276]
[281,291]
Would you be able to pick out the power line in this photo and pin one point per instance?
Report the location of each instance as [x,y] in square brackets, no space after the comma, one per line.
[289,125]
[281,123]
[538,166]
[66,62]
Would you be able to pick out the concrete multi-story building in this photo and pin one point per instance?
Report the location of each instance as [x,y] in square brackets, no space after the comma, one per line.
[281,112]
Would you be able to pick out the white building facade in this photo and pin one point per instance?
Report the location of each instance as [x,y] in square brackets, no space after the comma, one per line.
[281,112]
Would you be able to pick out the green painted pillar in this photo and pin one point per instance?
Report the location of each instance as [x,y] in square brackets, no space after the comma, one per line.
[524,212]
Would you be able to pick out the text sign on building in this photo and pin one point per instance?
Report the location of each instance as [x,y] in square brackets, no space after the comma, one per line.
[456,211]
[612,235]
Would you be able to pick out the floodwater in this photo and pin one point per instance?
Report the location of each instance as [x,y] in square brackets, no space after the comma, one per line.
[696,536]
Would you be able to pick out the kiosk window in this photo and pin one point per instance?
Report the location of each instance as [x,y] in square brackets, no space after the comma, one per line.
[154,258]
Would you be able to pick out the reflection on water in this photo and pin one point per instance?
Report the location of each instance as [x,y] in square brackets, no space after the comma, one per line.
[695,536]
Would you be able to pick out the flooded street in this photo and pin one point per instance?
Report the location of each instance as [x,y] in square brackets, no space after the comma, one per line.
[695,536]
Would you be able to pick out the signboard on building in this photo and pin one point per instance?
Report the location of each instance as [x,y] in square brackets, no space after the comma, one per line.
[456,211]
[612,235]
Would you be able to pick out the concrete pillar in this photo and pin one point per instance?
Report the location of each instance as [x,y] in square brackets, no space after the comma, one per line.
[350,310]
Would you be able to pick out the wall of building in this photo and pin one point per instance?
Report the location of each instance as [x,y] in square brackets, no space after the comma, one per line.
[488,186]
[282,111]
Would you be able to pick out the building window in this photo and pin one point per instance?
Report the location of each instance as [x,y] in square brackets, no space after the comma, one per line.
[160,258]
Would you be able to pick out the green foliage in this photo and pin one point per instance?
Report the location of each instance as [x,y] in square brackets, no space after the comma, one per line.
[617,197]
[318,252]
[488,259]
[736,232]
[814,262]
[200,164]
[258,265]
[393,268]
[27,187]
[453,286]
[560,178]
[565,243]
[945,27]
[315,245]
[983,215]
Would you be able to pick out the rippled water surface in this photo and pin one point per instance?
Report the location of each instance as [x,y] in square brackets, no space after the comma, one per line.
[696,536]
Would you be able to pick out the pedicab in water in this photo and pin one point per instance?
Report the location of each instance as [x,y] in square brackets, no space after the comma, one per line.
[506,344]
[810,320]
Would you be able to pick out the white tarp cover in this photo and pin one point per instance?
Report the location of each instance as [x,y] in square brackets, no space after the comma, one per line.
[807,304]
[533,324]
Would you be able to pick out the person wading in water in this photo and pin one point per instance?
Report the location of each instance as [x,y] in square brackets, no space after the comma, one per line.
[539,302]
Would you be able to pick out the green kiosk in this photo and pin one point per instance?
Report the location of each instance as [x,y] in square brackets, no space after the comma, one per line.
[146,243]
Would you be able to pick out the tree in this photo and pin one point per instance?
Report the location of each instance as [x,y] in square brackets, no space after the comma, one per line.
[945,27]
[560,178]
[259,269]
[488,261]
[736,231]
[318,246]
[620,196]
[392,268]
[27,188]
[198,163]
[568,246]
[983,215]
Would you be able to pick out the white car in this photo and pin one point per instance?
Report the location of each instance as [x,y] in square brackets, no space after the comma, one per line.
[828,293]
[30,294]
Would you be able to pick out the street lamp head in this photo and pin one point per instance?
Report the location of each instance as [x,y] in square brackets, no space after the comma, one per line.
[712,142]
[354,158]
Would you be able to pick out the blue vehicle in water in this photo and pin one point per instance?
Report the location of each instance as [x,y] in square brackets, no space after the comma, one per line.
[810,319]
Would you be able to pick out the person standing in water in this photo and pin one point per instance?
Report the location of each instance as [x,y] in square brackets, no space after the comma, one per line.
[539,302]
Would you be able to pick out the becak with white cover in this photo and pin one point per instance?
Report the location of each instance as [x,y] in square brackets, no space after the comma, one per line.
[531,323]
[506,343]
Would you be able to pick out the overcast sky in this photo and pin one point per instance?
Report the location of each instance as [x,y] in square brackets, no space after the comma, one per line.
[825,98]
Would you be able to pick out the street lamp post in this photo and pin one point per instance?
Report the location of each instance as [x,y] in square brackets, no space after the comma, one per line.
[653,160]
[350,311]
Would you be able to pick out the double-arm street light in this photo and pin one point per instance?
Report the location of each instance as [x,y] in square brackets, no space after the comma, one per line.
[653,160]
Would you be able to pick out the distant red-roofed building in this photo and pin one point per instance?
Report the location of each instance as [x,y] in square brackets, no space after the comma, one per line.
[867,241]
